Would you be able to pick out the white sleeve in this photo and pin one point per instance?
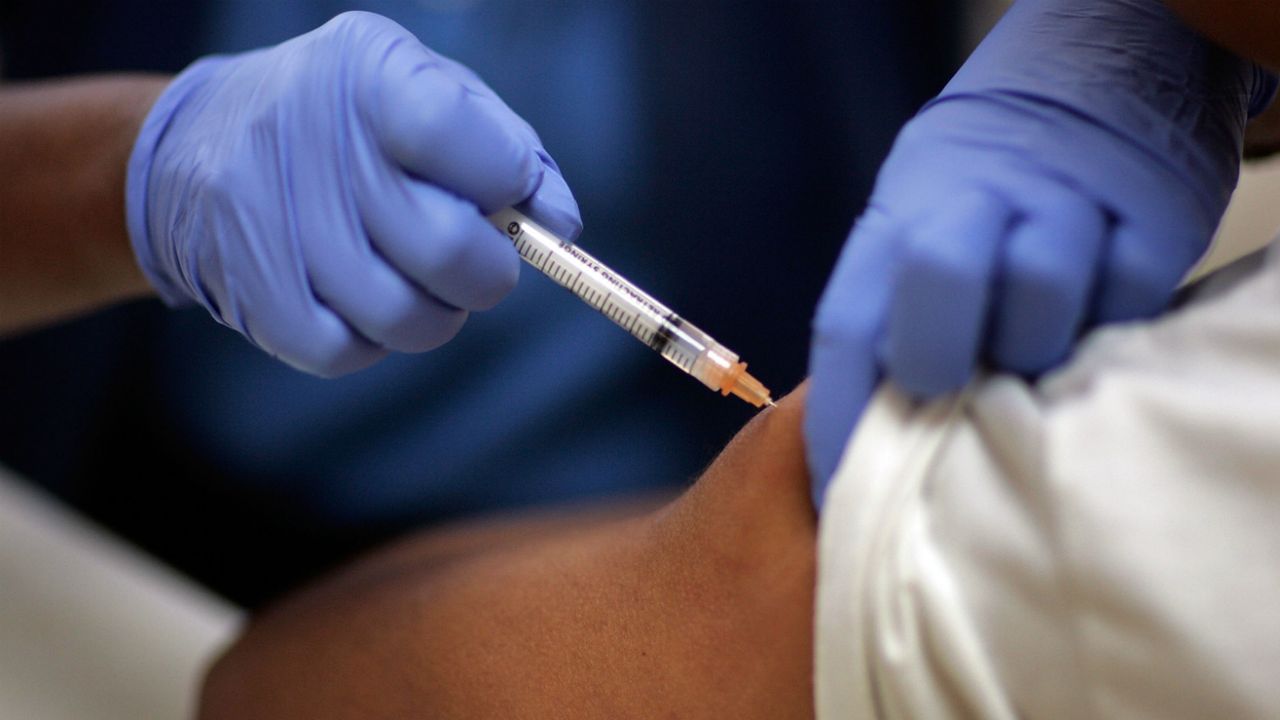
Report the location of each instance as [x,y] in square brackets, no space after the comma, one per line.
[1104,544]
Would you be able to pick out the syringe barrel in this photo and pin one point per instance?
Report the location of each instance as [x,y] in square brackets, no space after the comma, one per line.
[649,321]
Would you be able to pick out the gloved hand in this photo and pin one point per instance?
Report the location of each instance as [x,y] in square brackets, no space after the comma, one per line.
[1070,174]
[326,197]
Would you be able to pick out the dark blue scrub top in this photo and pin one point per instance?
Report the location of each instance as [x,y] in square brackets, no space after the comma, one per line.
[719,151]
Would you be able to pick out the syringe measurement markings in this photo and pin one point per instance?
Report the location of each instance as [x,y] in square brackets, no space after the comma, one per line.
[618,315]
[604,274]
[608,309]
[678,357]
[606,304]
[651,322]
[609,305]
[558,272]
[541,260]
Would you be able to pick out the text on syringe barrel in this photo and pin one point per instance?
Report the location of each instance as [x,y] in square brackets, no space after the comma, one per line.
[646,319]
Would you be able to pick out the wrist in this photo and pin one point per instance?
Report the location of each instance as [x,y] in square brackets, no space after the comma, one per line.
[66,250]
[135,99]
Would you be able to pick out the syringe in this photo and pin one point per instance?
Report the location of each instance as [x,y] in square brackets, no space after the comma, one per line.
[632,309]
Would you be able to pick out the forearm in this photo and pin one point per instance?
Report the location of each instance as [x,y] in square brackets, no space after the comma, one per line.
[64,148]
[1248,27]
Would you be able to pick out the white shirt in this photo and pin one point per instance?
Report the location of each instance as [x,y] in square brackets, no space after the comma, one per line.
[1105,543]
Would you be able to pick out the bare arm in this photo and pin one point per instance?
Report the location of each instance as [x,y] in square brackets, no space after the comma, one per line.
[64,146]
[702,609]
[1248,27]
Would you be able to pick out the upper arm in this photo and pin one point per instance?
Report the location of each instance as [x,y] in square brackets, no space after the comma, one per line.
[1249,27]
[701,609]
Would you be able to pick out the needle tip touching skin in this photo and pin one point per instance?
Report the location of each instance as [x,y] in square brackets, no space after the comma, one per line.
[750,390]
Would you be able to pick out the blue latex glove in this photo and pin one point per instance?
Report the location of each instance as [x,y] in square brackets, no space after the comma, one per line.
[326,197]
[1070,174]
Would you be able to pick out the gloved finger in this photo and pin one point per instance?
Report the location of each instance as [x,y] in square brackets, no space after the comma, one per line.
[303,332]
[323,345]
[466,77]
[1158,236]
[347,273]
[552,205]
[447,134]
[380,303]
[846,328]
[440,242]
[481,91]
[1143,266]
[1049,268]
[271,300]
[942,292]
